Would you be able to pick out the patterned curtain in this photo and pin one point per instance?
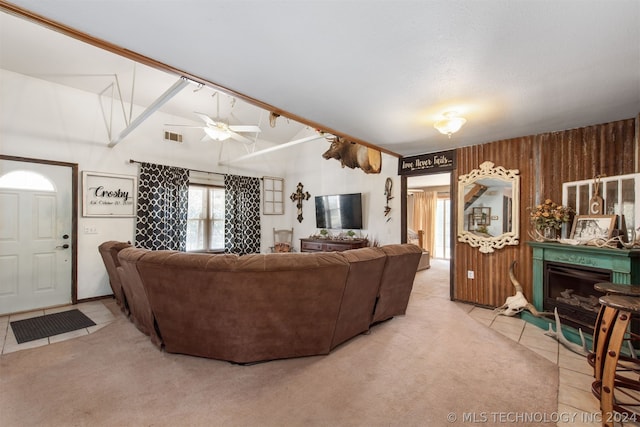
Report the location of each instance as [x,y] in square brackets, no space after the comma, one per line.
[163,196]
[242,215]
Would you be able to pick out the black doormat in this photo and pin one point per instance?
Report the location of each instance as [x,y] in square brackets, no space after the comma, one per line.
[50,324]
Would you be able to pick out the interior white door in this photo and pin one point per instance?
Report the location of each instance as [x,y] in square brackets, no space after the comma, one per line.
[35,235]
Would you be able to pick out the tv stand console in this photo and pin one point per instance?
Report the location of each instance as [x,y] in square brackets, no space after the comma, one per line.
[329,245]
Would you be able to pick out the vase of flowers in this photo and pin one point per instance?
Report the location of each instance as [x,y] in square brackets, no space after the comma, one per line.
[548,218]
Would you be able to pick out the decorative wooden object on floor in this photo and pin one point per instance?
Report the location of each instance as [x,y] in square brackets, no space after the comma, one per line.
[607,288]
[616,381]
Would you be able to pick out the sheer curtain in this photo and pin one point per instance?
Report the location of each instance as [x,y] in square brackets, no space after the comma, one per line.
[242,214]
[424,218]
[163,196]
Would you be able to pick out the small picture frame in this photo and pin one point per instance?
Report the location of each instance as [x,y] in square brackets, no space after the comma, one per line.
[482,216]
[108,195]
[590,227]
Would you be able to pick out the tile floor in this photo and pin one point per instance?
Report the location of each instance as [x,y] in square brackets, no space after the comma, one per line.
[576,404]
[98,311]
[574,397]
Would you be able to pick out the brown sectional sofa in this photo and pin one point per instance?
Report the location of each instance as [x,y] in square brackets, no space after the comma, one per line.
[261,307]
[109,253]
[395,290]
[139,307]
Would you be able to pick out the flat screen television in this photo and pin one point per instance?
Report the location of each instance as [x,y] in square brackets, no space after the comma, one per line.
[339,211]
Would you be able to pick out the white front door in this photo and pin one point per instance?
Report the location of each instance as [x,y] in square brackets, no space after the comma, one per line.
[36,202]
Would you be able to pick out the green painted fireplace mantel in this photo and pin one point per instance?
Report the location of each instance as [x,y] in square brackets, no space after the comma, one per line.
[624,265]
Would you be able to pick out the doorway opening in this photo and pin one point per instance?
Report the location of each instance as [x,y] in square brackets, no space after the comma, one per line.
[429,213]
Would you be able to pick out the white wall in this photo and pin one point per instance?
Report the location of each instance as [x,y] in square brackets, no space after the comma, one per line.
[53,122]
[322,177]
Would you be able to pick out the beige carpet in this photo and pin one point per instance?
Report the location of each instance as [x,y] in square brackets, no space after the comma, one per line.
[410,371]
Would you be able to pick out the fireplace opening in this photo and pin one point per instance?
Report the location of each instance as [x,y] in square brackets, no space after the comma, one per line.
[569,288]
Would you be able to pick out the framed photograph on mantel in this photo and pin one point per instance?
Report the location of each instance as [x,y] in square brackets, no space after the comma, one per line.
[590,227]
[108,195]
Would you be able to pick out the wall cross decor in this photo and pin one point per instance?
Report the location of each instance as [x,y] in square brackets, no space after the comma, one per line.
[388,186]
[298,197]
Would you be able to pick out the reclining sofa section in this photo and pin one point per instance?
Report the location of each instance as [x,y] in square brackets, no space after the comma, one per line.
[259,307]
[109,253]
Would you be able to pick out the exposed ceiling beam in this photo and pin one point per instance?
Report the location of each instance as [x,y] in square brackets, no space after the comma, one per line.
[166,96]
[142,59]
[274,148]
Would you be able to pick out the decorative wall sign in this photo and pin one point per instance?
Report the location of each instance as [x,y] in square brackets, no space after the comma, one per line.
[427,163]
[596,203]
[108,195]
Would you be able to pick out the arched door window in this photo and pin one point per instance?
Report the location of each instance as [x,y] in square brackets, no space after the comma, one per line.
[26,180]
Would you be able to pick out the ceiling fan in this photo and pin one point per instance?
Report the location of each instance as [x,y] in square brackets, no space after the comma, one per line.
[219,130]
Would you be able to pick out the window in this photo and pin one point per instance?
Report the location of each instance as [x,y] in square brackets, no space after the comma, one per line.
[26,180]
[205,220]
[443,228]
[618,194]
[273,190]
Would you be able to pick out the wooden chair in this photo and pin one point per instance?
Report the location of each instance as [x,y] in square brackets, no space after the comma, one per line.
[282,240]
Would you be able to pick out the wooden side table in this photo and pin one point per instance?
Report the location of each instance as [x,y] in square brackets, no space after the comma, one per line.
[330,245]
[609,289]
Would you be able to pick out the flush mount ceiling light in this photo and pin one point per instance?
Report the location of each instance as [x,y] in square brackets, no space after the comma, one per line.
[450,124]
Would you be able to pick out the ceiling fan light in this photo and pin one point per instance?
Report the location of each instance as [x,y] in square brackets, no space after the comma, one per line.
[217,134]
[450,124]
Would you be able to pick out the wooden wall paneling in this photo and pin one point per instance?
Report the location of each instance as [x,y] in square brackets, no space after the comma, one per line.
[636,144]
[545,162]
[491,283]
[584,153]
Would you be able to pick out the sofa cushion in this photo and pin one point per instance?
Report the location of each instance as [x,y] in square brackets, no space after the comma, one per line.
[109,253]
[361,290]
[397,280]
[141,313]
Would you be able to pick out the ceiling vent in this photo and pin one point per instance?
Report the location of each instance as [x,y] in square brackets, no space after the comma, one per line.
[173,137]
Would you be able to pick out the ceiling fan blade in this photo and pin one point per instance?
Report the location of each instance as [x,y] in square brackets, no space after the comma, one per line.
[184,126]
[208,120]
[239,137]
[245,128]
